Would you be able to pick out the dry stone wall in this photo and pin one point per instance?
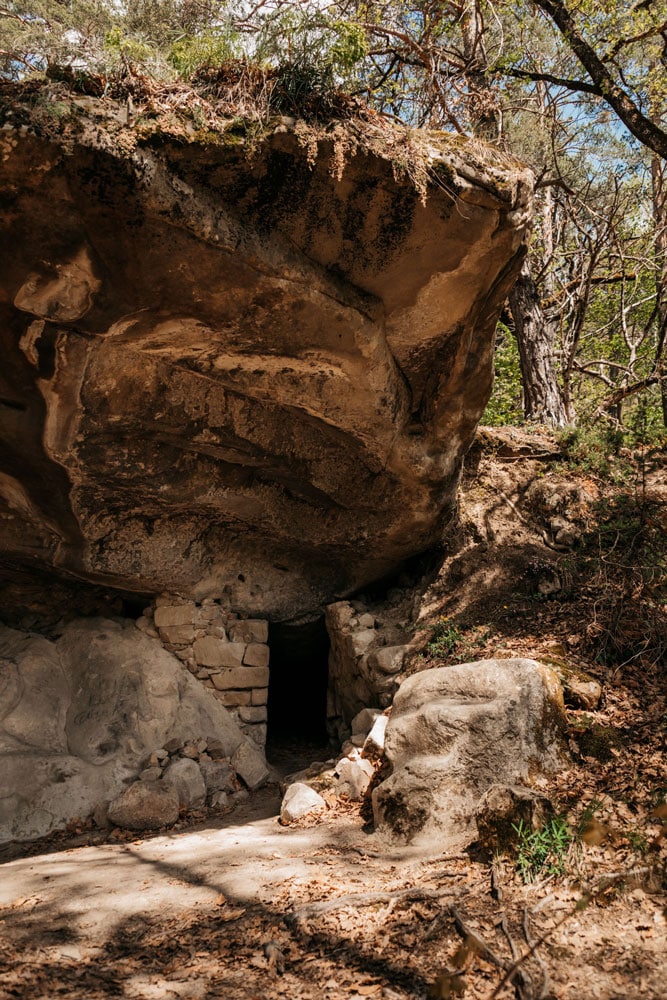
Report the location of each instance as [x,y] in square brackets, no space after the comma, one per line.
[228,654]
[365,662]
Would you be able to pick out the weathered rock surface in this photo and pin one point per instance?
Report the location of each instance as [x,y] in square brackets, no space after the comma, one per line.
[145,805]
[354,777]
[185,777]
[238,377]
[300,800]
[81,715]
[454,732]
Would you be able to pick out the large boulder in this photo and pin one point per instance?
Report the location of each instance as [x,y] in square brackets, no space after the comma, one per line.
[80,716]
[240,373]
[454,732]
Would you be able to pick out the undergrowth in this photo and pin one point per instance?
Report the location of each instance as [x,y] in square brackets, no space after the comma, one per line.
[542,852]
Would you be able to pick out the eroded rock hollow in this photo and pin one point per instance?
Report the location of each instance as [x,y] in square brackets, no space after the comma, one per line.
[233,372]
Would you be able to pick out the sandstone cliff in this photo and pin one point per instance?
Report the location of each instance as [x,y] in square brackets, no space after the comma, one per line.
[241,363]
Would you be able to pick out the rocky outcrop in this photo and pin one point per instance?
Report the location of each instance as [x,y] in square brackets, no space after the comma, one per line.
[245,372]
[456,731]
[80,717]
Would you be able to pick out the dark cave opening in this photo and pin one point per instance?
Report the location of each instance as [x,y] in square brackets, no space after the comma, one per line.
[299,670]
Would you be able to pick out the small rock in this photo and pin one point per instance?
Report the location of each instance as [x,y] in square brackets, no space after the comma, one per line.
[144,805]
[388,660]
[220,800]
[250,765]
[581,692]
[354,778]
[145,625]
[100,816]
[171,746]
[300,800]
[186,779]
[151,773]
[360,642]
[374,744]
[218,776]
[215,748]
[363,721]
[366,621]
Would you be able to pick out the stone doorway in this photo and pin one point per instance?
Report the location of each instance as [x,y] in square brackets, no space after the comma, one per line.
[297,707]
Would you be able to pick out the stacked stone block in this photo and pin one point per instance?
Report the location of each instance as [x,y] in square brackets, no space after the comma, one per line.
[229,655]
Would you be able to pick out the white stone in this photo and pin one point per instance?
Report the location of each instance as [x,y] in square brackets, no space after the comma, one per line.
[354,777]
[300,800]
[374,744]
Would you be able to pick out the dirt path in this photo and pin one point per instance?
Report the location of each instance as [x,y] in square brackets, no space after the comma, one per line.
[250,909]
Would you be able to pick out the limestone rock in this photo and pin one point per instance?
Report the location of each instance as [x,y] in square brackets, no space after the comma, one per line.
[211,652]
[582,691]
[364,720]
[300,800]
[374,743]
[250,630]
[218,776]
[145,805]
[354,777]
[502,808]
[387,660]
[209,348]
[250,765]
[184,776]
[90,710]
[454,732]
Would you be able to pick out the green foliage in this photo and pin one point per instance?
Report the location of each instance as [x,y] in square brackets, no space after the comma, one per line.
[504,406]
[444,638]
[595,450]
[118,45]
[191,53]
[542,852]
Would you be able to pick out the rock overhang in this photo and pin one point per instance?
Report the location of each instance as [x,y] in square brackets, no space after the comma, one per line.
[242,373]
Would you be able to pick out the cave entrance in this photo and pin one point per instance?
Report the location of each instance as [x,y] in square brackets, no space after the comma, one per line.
[297,707]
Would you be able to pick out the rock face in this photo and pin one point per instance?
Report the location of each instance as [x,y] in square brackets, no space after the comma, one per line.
[79,717]
[454,732]
[249,377]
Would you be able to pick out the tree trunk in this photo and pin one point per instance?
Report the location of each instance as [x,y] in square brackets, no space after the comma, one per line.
[660,238]
[543,401]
